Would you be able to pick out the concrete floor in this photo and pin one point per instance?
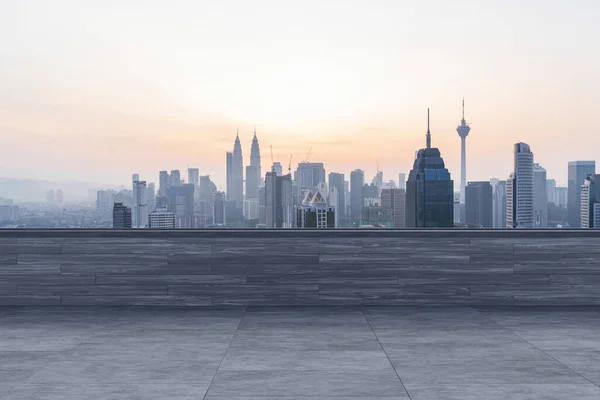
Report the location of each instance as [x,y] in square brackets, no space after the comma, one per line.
[299,353]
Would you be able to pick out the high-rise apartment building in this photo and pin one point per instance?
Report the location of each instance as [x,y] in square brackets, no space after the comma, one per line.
[519,189]
[279,201]
[151,197]
[499,205]
[121,216]
[429,190]
[479,205]
[590,198]
[395,199]
[140,206]
[161,219]
[357,182]
[315,212]
[578,171]
[251,209]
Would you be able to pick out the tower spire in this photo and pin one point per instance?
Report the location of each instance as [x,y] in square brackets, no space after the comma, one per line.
[428,132]
[237,132]
[463,109]
[254,130]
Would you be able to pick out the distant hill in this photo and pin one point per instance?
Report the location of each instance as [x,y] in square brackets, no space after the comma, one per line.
[21,190]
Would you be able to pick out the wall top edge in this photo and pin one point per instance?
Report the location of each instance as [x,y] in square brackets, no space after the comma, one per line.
[299,233]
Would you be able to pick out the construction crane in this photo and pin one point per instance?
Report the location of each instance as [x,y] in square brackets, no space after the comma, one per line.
[290,165]
[307,156]
[272,162]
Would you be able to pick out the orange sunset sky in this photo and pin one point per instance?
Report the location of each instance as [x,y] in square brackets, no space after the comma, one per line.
[97,90]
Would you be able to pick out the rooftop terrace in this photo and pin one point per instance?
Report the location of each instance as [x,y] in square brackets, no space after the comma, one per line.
[423,353]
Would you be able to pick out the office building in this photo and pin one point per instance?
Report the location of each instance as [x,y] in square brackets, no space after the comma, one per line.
[277,168]
[457,208]
[219,216]
[140,206]
[307,177]
[499,205]
[315,212]
[181,203]
[374,215]
[175,178]
[357,182]
[540,197]
[378,182]
[479,205]
[578,171]
[229,175]
[519,189]
[562,196]
[163,183]
[551,191]
[402,181]
[193,176]
[8,211]
[253,171]
[590,197]
[104,202]
[237,175]
[262,205]
[463,131]
[336,180]
[395,200]
[161,219]
[429,190]
[279,208]
[121,216]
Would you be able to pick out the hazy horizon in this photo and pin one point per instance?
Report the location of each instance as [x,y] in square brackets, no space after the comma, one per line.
[100,91]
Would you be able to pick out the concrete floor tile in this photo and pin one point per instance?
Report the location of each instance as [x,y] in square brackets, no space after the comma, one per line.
[106,392]
[583,391]
[236,360]
[309,384]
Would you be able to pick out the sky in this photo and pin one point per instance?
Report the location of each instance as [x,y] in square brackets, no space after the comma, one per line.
[97,90]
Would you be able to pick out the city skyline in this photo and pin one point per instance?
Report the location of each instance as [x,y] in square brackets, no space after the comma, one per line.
[83,102]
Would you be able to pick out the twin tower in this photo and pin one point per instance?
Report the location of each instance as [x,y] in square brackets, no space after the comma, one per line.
[235,173]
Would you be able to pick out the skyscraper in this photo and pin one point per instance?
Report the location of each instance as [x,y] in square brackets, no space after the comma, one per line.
[238,175]
[395,199]
[219,210]
[519,189]
[590,201]
[578,171]
[193,176]
[479,204]
[463,131]
[499,206]
[277,168]
[357,182]
[163,183]
[151,197]
[540,197]
[429,190]
[336,180]
[181,202]
[121,216]
[279,203]
[307,177]
[59,197]
[253,171]
[140,205]
[175,178]
[402,180]
[50,196]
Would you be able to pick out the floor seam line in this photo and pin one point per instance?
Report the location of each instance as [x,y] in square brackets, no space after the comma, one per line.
[537,348]
[384,352]
[225,354]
